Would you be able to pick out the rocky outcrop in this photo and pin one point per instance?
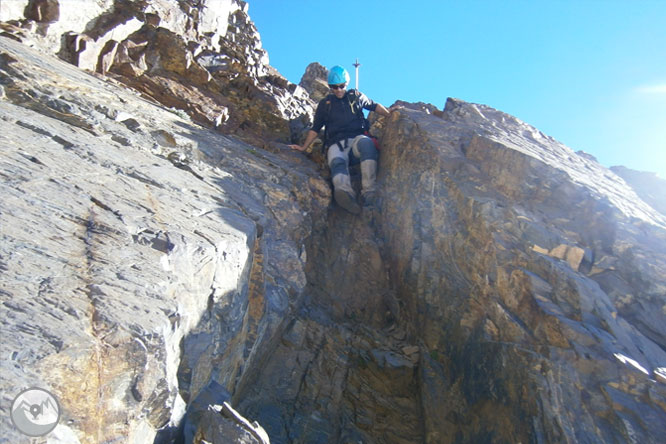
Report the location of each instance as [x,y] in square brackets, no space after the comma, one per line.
[224,424]
[167,282]
[507,290]
[203,57]
[143,257]
[314,81]
[533,279]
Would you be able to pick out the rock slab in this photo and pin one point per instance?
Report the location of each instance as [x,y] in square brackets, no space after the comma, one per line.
[133,253]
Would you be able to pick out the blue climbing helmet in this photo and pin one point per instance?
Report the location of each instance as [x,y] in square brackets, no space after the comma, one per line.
[338,75]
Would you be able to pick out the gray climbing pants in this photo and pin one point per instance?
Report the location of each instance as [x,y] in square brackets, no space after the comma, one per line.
[360,148]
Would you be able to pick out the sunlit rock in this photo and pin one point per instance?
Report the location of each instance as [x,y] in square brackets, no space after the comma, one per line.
[168,282]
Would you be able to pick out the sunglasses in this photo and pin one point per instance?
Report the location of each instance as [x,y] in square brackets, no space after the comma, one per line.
[334,87]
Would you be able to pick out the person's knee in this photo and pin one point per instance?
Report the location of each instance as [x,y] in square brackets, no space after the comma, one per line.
[367,149]
[338,166]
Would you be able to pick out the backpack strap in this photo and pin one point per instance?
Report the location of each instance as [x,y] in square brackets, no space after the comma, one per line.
[354,95]
[352,98]
[328,106]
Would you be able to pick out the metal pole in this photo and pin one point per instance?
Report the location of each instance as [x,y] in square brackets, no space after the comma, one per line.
[356,65]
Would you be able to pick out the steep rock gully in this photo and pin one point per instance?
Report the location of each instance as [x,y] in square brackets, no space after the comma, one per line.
[346,370]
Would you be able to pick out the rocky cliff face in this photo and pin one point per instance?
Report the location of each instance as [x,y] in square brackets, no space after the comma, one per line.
[162,278]
[532,277]
[143,256]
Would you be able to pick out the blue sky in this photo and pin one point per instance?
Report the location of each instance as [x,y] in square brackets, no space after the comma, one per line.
[590,73]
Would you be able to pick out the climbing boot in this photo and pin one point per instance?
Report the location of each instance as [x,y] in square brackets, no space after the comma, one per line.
[344,193]
[369,199]
[347,201]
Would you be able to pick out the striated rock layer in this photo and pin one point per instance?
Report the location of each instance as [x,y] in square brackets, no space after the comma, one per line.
[166,281]
[143,257]
[533,278]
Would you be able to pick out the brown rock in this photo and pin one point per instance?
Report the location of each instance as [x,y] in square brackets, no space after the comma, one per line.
[43,11]
[315,82]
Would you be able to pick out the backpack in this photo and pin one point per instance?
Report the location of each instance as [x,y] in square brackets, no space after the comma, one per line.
[352,98]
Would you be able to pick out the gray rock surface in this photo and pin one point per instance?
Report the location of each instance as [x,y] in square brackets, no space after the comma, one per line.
[224,424]
[133,246]
[164,280]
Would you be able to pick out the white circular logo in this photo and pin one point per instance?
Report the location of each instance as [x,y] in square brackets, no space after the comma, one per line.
[35,412]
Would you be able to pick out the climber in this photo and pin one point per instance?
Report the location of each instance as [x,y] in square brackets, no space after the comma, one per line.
[341,113]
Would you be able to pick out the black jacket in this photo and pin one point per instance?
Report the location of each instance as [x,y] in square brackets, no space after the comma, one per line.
[343,118]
